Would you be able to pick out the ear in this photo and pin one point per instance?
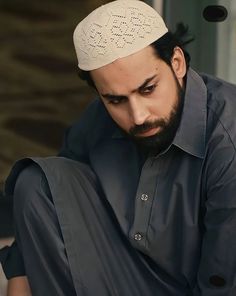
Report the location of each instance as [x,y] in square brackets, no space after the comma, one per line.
[178,63]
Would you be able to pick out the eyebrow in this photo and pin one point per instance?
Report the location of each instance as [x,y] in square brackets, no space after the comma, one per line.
[120,97]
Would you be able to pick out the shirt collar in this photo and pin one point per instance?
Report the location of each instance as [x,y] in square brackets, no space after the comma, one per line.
[190,136]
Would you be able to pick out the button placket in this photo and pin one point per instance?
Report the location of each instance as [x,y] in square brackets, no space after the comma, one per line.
[144,198]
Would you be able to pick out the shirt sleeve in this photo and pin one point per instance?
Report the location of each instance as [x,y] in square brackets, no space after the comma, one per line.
[217,269]
[12,262]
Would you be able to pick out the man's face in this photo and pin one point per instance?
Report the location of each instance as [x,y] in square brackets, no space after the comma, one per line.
[143,94]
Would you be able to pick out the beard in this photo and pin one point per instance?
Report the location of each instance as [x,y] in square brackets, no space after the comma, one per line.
[159,142]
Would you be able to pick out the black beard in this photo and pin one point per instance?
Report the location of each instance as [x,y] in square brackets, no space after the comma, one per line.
[159,142]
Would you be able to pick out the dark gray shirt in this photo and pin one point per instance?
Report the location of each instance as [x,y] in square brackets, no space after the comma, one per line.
[179,207]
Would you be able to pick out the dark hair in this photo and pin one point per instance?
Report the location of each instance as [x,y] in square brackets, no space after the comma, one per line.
[165,45]
[164,48]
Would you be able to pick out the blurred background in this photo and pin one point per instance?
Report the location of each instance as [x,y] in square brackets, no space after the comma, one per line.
[40,92]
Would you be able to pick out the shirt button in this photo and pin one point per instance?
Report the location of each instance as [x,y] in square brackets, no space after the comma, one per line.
[137,236]
[144,197]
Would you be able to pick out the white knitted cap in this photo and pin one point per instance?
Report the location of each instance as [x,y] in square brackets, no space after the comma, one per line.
[116,30]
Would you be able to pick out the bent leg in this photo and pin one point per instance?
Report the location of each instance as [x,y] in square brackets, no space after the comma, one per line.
[39,237]
[71,240]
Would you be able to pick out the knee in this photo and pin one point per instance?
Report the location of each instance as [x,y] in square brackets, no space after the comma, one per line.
[27,190]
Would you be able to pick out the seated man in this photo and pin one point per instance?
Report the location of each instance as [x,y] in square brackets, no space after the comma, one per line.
[143,200]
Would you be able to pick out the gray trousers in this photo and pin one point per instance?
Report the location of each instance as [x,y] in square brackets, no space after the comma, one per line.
[70,240]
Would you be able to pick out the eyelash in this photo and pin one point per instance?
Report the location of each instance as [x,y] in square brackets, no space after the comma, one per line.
[149,89]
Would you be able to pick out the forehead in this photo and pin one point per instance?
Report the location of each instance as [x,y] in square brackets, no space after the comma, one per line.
[128,72]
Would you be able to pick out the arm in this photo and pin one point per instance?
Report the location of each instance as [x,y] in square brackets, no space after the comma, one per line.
[18,286]
[217,269]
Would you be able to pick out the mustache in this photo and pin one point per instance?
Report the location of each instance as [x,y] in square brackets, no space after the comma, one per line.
[137,129]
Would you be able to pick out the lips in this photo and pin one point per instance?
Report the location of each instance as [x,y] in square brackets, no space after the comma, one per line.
[149,132]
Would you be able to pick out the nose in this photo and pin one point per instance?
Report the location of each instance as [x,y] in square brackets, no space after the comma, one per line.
[138,111]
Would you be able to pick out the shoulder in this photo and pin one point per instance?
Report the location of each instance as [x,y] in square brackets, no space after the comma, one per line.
[221,106]
[95,123]
[93,126]
[221,96]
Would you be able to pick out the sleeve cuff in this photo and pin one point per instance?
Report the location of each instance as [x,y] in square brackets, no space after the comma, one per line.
[12,262]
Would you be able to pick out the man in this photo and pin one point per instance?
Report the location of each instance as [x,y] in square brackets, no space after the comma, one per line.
[146,203]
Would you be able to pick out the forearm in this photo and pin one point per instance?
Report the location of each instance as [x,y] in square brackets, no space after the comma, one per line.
[18,286]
